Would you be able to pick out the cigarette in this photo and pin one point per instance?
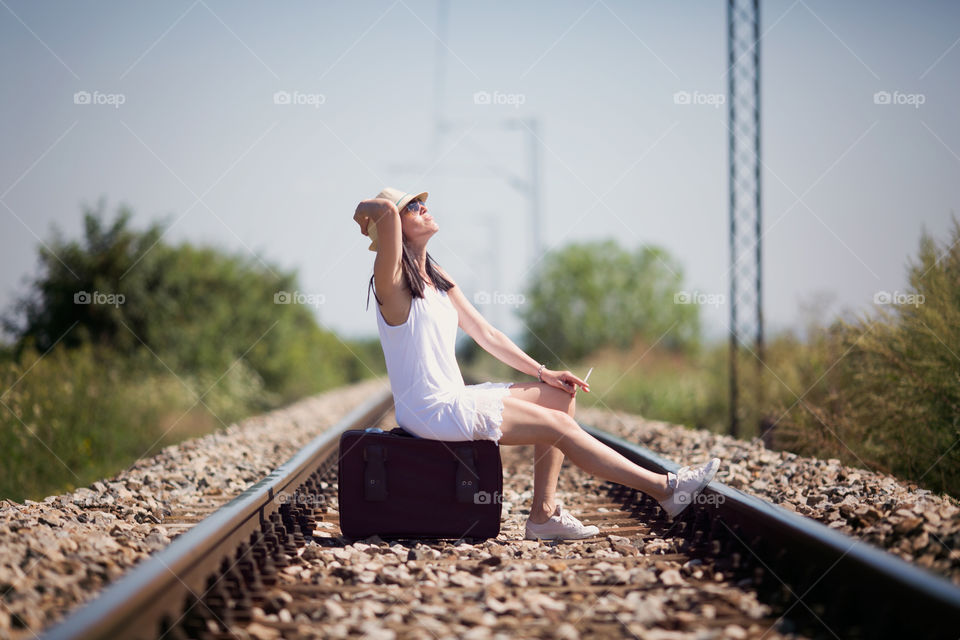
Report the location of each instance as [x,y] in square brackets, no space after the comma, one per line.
[587,377]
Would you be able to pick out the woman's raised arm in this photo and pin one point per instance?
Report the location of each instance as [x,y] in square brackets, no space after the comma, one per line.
[380,219]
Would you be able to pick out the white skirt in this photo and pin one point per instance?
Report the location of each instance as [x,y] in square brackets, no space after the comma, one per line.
[474,412]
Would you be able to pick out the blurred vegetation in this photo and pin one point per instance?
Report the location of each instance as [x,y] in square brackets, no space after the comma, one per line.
[124,344]
[599,305]
[880,391]
[198,342]
[590,295]
[887,390]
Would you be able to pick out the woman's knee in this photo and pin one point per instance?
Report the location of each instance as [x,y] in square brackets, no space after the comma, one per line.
[559,400]
[568,426]
[559,428]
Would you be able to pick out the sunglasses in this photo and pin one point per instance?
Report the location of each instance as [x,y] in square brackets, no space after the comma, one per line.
[415,206]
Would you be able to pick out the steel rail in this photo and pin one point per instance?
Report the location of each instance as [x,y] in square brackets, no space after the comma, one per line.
[838,584]
[136,605]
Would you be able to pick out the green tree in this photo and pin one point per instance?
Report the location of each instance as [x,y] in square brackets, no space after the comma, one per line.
[595,294]
[178,341]
[53,310]
[197,309]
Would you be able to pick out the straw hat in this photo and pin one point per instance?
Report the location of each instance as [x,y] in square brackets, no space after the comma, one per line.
[397,197]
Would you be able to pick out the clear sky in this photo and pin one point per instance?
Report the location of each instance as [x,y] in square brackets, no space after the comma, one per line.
[199,138]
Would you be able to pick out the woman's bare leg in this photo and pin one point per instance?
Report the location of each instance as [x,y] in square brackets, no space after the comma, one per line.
[529,423]
[547,459]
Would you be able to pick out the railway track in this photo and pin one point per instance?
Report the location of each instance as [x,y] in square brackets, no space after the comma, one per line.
[271,563]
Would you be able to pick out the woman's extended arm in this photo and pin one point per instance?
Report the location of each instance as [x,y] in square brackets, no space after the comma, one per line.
[500,346]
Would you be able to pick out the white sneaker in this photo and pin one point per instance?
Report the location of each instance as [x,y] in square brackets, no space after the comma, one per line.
[687,484]
[560,526]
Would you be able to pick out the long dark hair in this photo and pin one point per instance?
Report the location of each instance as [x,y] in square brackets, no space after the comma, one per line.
[411,275]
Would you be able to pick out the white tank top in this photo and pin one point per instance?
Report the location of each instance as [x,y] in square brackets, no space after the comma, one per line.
[421,357]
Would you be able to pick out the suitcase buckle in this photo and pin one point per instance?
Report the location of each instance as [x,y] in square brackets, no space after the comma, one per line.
[466,475]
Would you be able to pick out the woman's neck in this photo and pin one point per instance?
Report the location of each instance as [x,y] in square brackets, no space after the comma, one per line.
[416,248]
[419,255]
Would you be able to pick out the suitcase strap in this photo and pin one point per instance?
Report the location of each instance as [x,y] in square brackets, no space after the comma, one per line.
[375,474]
[468,481]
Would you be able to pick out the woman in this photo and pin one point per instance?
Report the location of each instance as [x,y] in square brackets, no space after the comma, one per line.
[419,307]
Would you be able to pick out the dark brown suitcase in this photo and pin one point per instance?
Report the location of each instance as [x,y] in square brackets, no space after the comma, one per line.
[397,485]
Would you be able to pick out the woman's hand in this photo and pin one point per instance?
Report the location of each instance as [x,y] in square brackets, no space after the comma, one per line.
[369,211]
[363,215]
[564,380]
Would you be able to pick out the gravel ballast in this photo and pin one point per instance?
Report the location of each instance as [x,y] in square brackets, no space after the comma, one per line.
[898,516]
[60,552]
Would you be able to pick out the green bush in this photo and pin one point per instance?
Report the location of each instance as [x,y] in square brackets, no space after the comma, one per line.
[881,390]
[197,309]
[887,393]
[657,383]
[74,415]
[194,338]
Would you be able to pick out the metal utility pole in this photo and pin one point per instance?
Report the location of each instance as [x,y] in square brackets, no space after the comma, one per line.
[746,302]
[439,74]
[530,187]
[536,222]
[530,127]
[491,257]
